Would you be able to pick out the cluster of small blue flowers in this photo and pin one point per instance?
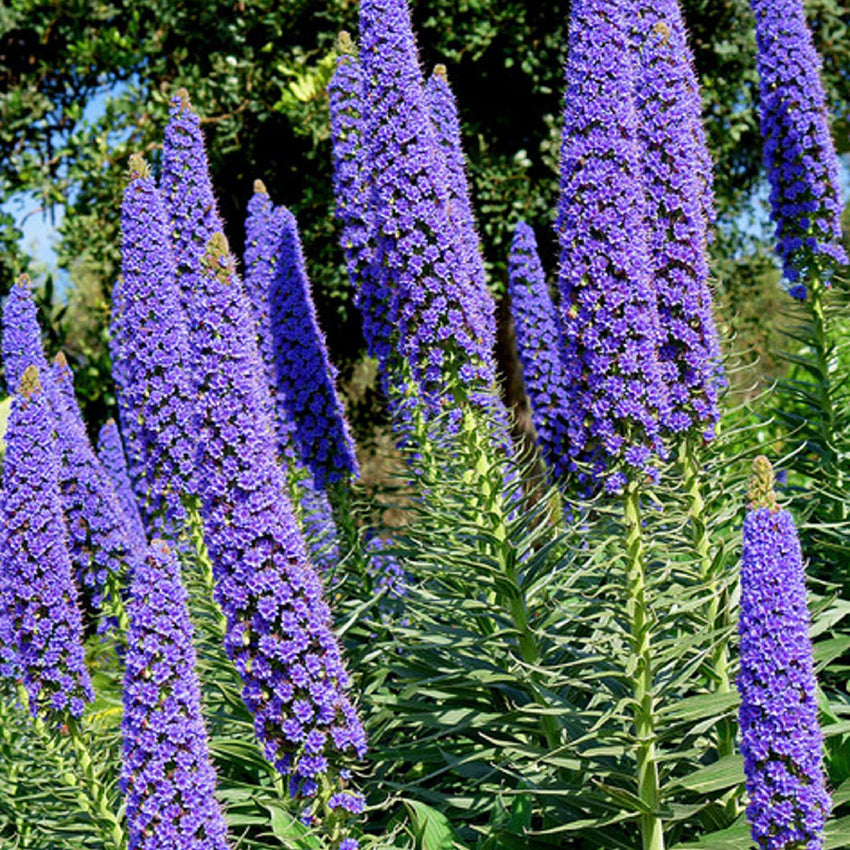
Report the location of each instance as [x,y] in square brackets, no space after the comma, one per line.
[615,396]
[150,353]
[801,162]
[110,453]
[387,575]
[354,197]
[669,130]
[43,633]
[279,632]
[439,320]
[21,335]
[538,339]
[167,774]
[780,738]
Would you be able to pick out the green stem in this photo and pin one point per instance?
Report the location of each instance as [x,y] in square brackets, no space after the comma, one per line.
[651,828]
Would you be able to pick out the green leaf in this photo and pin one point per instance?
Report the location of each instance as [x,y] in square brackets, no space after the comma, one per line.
[725,773]
[431,828]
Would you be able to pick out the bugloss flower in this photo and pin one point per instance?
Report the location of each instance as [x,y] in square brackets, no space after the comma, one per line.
[677,183]
[801,162]
[616,398]
[21,335]
[780,739]
[355,207]
[539,346]
[96,528]
[166,774]
[279,631]
[150,353]
[110,452]
[42,631]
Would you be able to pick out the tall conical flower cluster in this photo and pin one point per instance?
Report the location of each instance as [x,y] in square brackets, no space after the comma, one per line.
[21,335]
[615,394]
[676,184]
[801,162]
[150,351]
[539,346]
[279,631]
[43,633]
[780,738]
[167,774]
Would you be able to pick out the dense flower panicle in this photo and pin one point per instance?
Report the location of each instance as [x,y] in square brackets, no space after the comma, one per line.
[304,373]
[150,353]
[802,165]
[316,520]
[21,335]
[674,177]
[780,738]
[188,194]
[166,774]
[436,312]
[98,543]
[43,632]
[110,452]
[616,398]
[387,575]
[538,339]
[279,631]
[446,122]
[355,207]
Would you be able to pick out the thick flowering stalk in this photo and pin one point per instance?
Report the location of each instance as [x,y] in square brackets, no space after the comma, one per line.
[150,353]
[304,373]
[37,593]
[279,631]
[440,323]
[616,398]
[446,122]
[355,207]
[780,738]
[99,547]
[673,158]
[110,452]
[538,339]
[21,335]
[801,161]
[166,775]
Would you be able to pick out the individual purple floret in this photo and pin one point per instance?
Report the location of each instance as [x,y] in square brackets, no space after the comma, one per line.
[615,396]
[304,373]
[110,452]
[801,162]
[675,180]
[98,544]
[167,775]
[539,345]
[37,593]
[150,353]
[355,208]
[21,335]
[279,630]
[780,738]
[446,122]
[188,194]
[437,310]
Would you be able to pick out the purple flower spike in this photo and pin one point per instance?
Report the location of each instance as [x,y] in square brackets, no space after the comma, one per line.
[43,633]
[305,376]
[444,117]
[539,346]
[674,159]
[279,631]
[110,452]
[150,353]
[21,335]
[801,162]
[436,311]
[98,544]
[616,398]
[780,738]
[167,774]
[355,203]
